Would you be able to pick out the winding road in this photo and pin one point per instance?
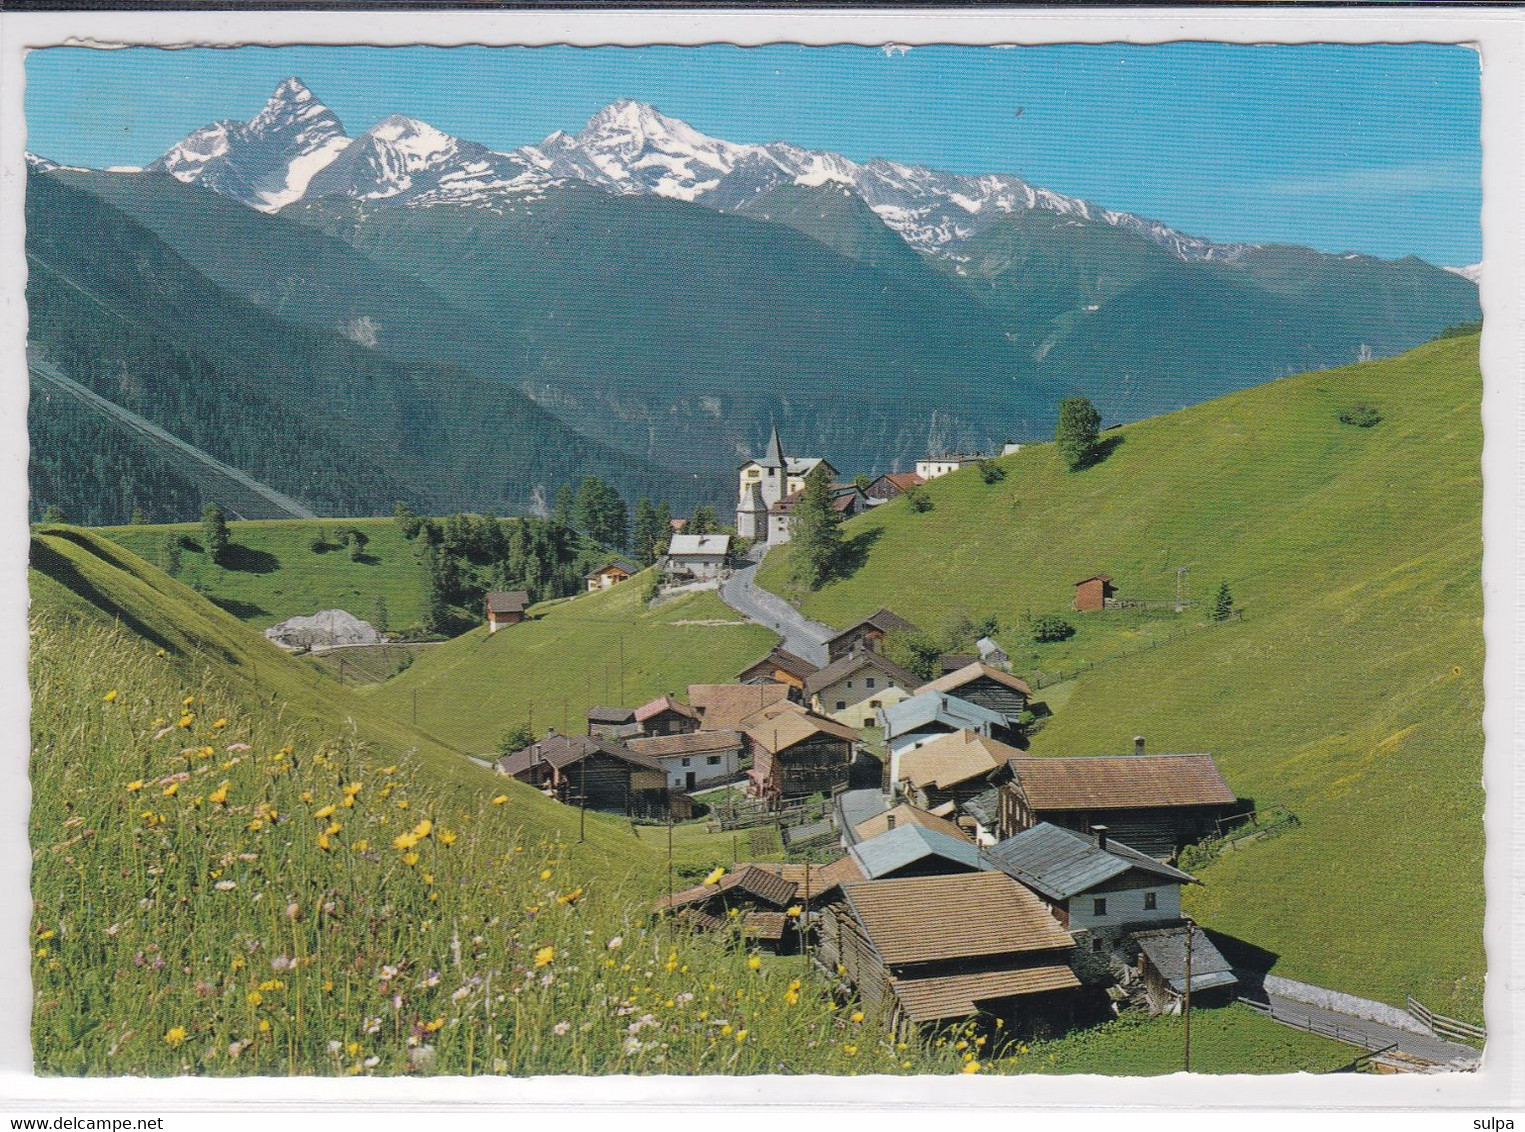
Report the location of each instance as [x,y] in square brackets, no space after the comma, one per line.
[803,637]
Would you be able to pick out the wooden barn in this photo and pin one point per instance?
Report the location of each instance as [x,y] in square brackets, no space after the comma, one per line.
[796,754]
[725,707]
[1091,593]
[891,485]
[613,723]
[755,900]
[581,770]
[611,573]
[666,716]
[780,666]
[1162,964]
[505,608]
[867,635]
[951,768]
[1156,803]
[980,684]
[928,951]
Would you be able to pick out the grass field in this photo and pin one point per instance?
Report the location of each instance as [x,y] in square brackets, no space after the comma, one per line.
[602,648]
[1351,692]
[273,572]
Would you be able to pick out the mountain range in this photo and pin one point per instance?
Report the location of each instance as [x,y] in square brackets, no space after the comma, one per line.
[669,294]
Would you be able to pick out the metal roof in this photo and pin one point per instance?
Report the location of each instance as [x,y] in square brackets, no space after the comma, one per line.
[936,707]
[1166,949]
[1060,863]
[905,845]
[698,544]
[855,806]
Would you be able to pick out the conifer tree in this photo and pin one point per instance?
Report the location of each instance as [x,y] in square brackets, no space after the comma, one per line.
[1077,432]
[1223,603]
[214,532]
[816,533]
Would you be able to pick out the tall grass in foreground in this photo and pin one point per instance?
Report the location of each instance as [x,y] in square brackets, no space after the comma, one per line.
[224,893]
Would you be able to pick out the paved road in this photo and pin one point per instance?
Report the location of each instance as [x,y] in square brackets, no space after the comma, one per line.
[1367,1034]
[279,505]
[802,636]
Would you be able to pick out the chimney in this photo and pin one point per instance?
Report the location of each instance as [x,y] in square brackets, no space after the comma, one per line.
[1100,832]
[1138,744]
[535,755]
[889,822]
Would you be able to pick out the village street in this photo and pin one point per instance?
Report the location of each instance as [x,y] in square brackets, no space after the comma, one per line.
[803,637]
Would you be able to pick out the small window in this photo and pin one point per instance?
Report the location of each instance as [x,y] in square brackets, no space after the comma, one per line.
[849,683]
[841,705]
[871,682]
[1150,902]
[686,762]
[714,760]
[1099,906]
[875,703]
[1096,944]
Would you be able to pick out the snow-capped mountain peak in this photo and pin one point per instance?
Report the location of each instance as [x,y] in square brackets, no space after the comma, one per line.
[1473,271]
[267,161]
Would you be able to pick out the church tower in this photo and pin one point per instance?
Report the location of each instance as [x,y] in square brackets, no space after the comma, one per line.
[763,483]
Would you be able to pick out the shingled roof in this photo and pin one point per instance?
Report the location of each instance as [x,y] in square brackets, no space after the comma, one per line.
[883,620]
[923,919]
[693,743]
[724,706]
[561,751]
[780,727]
[508,601]
[953,681]
[746,880]
[796,666]
[1120,782]
[1166,949]
[905,845]
[903,815]
[852,663]
[954,758]
[957,996]
[1060,863]
[661,704]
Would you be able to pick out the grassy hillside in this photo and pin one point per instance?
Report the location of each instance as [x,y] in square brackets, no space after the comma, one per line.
[567,658]
[81,581]
[293,906]
[1351,692]
[273,572]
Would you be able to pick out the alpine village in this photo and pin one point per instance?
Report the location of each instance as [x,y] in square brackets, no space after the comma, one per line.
[1075,739]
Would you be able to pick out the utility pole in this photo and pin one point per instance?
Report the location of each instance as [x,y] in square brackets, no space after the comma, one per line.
[1191,930]
[669,859]
[415,706]
[582,790]
[622,668]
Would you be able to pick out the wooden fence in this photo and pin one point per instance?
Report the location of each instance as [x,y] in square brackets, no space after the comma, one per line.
[1350,1035]
[754,812]
[1453,1029]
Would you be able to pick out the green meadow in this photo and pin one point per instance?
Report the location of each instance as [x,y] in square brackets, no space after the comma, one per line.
[1351,690]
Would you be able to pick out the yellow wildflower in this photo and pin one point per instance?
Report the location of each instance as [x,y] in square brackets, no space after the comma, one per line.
[570,897]
[333,828]
[544,956]
[326,812]
[755,962]
[172,789]
[423,828]
[219,796]
[323,842]
[970,1067]
[434,1025]
[255,998]
[404,841]
[362,845]
[188,701]
[110,697]
[850,1050]
[238,962]
[857,1016]
[500,799]
[187,719]
[264,1025]
[307,796]
[545,874]
[741,1036]
[445,837]
[714,877]
[353,788]
[219,724]
[410,859]
[793,911]
[134,786]
[174,1035]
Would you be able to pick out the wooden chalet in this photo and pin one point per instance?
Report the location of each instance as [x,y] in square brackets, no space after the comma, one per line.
[723,707]
[892,484]
[1091,593]
[613,723]
[796,753]
[666,715]
[867,635]
[1157,803]
[780,666]
[1092,883]
[581,770]
[507,607]
[951,768]
[980,684]
[928,951]
[927,716]
[611,573]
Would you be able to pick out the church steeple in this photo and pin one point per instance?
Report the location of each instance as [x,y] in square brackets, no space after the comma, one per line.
[774,456]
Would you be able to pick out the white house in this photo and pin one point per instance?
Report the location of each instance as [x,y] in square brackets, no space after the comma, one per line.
[698,556]
[934,466]
[926,716]
[695,760]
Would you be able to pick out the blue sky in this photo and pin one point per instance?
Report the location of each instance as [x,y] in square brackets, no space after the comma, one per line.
[1370,148]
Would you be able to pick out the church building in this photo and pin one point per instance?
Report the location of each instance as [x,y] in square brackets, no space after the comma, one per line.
[765,484]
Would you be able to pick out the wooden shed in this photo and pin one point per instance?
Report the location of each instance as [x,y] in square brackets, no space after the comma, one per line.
[506,608]
[581,770]
[926,951]
[796,753]
[867,634]
[1091,593]
[780,666]
[980,684]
